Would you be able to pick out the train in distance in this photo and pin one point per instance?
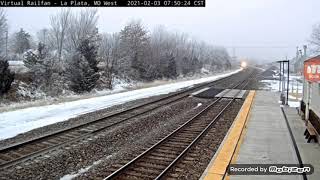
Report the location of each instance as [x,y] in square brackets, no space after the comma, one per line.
[243,64]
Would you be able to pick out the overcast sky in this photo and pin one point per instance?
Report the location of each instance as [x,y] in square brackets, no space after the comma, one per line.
[263,29]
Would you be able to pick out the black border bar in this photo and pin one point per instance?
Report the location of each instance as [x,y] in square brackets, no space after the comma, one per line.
[102,3]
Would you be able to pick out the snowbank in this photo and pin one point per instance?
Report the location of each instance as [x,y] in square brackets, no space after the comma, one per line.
[23,120]
[16,63]
[17,66]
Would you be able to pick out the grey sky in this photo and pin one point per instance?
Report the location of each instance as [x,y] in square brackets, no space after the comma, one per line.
[253,26]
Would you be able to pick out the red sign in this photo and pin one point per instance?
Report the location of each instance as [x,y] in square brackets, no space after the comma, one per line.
[312,71]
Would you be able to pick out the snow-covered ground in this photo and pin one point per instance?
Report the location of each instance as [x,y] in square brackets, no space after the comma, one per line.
[295,89]
[23,120]
[17,66]
[39,98]
[81,171]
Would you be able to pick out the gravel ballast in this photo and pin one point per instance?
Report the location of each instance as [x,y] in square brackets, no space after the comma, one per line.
[118,144]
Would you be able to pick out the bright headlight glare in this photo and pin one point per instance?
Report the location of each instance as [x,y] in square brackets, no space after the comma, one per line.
[243,64]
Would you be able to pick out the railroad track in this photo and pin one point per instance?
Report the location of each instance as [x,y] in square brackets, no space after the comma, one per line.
[156,161]
[23,151]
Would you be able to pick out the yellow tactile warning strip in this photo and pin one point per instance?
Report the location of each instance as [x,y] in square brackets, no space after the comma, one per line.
[225,155]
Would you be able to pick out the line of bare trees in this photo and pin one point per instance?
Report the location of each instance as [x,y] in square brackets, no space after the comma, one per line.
[73,54]
[315,39]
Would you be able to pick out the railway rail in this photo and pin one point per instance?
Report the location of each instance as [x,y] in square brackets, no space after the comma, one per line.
[23,151]
[155,162]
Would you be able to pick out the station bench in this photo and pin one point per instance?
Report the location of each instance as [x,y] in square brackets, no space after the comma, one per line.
[310,133]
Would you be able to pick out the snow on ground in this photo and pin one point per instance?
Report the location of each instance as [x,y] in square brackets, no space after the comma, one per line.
[41,99]
[16,63]
[17,66]
[80,171]
[83,170]
[271,85]
[295,89]
[198,105]
[259,68]
[294,103]
[19,121]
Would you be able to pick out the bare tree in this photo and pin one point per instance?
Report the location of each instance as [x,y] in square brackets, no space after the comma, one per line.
[162,60]
[83,26]
[189,55]
[3,30]
[134,39]
[315,38]
[42,35]
[109,53]
[59,25]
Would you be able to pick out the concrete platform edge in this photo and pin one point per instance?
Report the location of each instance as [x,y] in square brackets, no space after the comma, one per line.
[218,165]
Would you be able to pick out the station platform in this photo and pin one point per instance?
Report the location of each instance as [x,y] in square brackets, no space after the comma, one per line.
[264,133]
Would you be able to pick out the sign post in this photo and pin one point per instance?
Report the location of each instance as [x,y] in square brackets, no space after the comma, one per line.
[284,83]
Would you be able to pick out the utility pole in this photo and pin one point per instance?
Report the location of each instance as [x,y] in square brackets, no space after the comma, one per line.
[288,80]
[283,80]
[280,77]
[308,100]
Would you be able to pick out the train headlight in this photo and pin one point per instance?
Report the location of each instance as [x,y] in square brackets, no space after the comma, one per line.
[243,64]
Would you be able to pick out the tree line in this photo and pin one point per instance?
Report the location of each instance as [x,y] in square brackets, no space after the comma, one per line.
[73,54]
